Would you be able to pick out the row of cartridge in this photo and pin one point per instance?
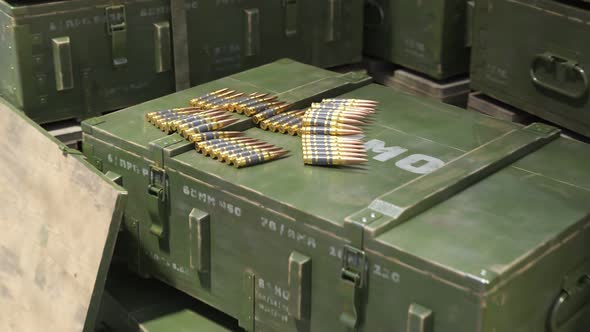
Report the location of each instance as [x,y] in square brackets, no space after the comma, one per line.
[328,129]
[200,123]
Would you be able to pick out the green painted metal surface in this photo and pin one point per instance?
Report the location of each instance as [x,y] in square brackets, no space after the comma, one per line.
[131,303]
[529,55]
[459,221]
[427,36]
[81,58]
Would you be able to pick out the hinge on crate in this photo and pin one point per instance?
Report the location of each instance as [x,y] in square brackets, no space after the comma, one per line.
[68,150]
[117,28]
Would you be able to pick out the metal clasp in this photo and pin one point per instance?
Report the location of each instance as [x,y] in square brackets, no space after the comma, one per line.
[352,281]
[117,29]
[157,200]
[353,265]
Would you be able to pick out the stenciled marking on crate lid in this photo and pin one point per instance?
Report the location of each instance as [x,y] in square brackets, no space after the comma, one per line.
[414,163]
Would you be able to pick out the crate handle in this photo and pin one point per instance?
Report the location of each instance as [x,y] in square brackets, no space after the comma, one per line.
[374,15]
[564,297]
[252,31]
[558,67]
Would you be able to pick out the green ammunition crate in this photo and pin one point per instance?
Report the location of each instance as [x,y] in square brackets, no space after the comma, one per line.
[531,54]
[459,222]
[427,36]
[80,58]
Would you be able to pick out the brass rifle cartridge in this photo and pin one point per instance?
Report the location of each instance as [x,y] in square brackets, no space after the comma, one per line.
[265,124]
[322,160]
[326,123]
[208,127]
[340,153]
[240,108]
[268,113]
[208,136]
[257,158]
[275,125]
[255,109]
[330,131]
[160,113]
[220,102]
[333,117]
[214,151]
[350,101]
[190,123]
[206,98]
[216,142]
[284,127]
[225,156]
[253,97]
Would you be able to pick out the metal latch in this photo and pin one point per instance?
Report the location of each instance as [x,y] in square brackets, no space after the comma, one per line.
[117,29]
[157,200]
[352,281]
[334,22]
[290,17]
[252,32]
[62,63]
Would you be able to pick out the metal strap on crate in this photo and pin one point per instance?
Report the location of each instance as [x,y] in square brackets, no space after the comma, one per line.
[180,44]
[421,194]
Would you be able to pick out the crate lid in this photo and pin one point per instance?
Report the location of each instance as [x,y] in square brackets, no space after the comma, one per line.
[60,221]
[466,196]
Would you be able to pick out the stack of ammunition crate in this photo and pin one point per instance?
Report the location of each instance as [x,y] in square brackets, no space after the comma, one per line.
[527,59]
[531,56]
[351,206]
[420,47]
[77,59]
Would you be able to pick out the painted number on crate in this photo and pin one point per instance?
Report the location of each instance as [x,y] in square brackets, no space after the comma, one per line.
[282,230]
[127,165]
[385,273]
[272,300]
[211,200]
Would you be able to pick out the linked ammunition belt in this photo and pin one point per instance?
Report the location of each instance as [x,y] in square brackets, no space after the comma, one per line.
[201,122]
[326,128]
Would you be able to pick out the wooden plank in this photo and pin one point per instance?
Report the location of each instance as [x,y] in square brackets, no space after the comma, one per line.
[59,221]
[486,105]
[452,91]
[68,132]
